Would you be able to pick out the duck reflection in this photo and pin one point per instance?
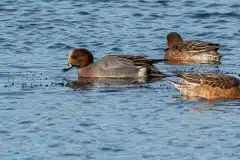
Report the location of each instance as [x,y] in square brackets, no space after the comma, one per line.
[172,62]
[211,105]
[110,84]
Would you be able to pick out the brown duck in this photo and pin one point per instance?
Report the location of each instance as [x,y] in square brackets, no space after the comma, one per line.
[208,86]
[190,50]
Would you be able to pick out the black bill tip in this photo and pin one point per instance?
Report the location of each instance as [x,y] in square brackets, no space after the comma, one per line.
[66,69]
[70,66]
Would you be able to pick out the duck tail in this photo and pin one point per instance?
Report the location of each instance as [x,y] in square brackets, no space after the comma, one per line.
[220,55]
[214,46]
[178,73]
[157,74]
[152,61]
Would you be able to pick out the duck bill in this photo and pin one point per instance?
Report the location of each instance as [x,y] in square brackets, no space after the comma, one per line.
[70,66]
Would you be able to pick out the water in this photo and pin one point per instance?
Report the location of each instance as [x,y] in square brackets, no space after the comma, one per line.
[42,118]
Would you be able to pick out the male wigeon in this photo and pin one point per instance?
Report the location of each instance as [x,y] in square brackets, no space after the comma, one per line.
[208,86]
[111,66]
[191,50]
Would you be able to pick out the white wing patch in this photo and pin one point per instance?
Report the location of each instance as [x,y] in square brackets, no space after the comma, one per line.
[142,72]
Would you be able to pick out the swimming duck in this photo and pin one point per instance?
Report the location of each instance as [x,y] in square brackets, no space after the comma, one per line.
[208,86]
[190,50]
[111,66]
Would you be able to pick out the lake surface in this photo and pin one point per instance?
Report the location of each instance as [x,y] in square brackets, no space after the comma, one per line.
[41,117]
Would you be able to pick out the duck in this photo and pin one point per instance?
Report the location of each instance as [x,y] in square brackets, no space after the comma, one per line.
[190,50]
[208,85]
[111,66]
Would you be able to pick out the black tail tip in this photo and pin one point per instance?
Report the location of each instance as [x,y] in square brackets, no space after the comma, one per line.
[178,73]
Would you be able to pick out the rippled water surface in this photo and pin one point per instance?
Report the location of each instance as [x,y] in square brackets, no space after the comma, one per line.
[43,118]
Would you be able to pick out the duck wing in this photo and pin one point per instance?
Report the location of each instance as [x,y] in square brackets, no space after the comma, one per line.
[212,80]
[194,46]
[120,61]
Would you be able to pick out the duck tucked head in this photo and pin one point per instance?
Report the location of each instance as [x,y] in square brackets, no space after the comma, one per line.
[173,38]
[79,58]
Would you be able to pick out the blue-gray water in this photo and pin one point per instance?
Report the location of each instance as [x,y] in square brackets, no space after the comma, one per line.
[42,118]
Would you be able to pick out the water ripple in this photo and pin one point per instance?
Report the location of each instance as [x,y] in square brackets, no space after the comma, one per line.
[48,113]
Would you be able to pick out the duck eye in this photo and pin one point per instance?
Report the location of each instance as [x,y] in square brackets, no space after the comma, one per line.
[74,57]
